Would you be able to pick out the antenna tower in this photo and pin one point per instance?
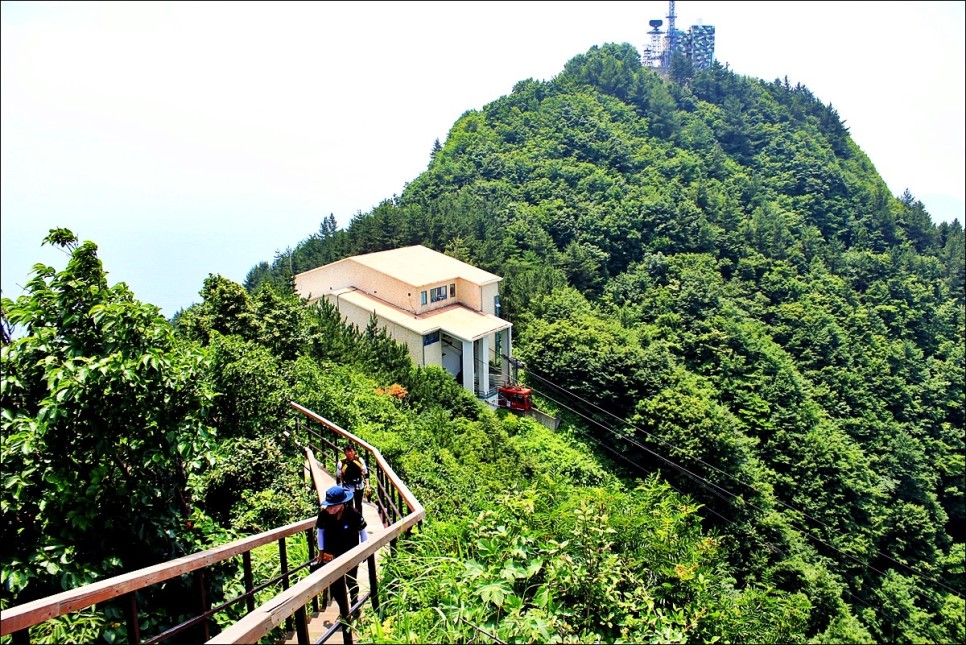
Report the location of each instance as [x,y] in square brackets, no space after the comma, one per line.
[697,44]
[653,52]
[672,36]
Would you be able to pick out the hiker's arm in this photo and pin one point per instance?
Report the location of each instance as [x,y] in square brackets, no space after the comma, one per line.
[323,557]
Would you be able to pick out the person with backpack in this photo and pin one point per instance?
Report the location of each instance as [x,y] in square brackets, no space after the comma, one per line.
[340,528]
[351,473]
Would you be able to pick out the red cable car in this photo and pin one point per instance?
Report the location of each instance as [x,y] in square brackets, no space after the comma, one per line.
[514,397]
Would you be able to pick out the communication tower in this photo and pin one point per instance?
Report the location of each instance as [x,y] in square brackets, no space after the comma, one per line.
[697,44]
[655,49]
[672,36]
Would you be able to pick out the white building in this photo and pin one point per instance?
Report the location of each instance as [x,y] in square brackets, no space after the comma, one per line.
[444,310]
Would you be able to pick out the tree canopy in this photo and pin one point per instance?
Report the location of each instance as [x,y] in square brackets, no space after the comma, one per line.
[708,270]
[757,353]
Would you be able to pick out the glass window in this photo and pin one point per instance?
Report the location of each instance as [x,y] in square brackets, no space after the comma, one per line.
[452,290]
[437,294]
[422,298]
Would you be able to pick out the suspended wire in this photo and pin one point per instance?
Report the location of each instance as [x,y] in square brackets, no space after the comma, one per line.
[804,529]
[700,480]
[728,521]
[717,490]
[618,453]
[720,492]
[714,488]
[733,477]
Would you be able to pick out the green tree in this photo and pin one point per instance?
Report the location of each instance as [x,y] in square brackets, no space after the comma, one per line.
[225,308]
[103,426]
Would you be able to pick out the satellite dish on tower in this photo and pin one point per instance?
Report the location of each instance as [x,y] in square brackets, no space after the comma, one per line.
[656,23]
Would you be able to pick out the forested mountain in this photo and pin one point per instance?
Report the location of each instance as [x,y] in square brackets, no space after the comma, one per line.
[756,350]
[714,261]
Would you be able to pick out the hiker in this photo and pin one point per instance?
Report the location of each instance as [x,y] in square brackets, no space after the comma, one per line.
[352,474]
[340,528]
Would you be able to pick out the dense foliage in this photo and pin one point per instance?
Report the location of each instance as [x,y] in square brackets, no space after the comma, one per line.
[756,350]
[707,273]
[104,424]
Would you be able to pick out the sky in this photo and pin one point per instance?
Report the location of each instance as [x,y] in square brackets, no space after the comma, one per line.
[188,138]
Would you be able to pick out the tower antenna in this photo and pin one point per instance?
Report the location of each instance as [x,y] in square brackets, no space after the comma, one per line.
[697,45]
[671,37]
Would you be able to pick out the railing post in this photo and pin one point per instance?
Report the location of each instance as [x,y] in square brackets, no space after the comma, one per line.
[133,627]
[379,504]
[342,599]
[283,563]
[249,580]
[383,500]
[373,583]
[398,505]
[301,626]
[21,637]
[203,597]
[310,543]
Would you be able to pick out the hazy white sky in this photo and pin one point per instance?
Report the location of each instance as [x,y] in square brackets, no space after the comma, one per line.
[194,138]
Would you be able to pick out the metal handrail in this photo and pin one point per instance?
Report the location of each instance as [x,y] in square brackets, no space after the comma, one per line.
[274,612]
[17,620]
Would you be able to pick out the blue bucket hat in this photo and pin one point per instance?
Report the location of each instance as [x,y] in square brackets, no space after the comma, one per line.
[336,495]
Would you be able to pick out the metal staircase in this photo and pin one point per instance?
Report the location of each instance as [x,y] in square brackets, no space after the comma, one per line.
[397,512]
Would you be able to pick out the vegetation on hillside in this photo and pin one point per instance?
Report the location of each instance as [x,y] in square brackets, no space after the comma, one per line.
[706,269]
[757,352]
[569,551]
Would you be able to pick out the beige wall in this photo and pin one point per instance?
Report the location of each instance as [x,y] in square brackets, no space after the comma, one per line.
[468,293]
[358,316]
[433,354]
[352,314]
[490,291]
[412,340]
[320,282]
[342,275]
[387,288]
[476,297]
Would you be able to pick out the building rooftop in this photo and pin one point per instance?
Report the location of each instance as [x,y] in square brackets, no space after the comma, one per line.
[420,266]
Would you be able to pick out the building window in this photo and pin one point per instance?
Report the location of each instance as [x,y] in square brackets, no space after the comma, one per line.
[431,338]
[496,306]
[422,298]
[452,290]
[437,294]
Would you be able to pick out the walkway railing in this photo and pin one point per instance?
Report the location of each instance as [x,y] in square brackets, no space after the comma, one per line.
[399,509]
